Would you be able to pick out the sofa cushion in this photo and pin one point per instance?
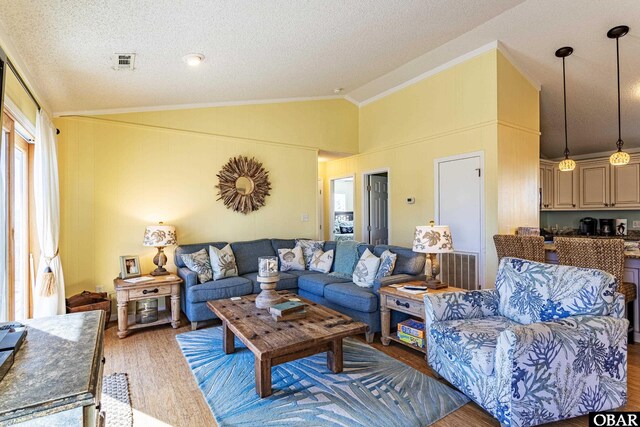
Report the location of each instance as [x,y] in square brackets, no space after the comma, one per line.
[321,261]
[407,262]
[532,292]
[189,249]
[223,262]
[287,281]
[247,254]
[471,342]
[316,282]
[299,273]
[365,272]
[200,263]
[308,248]
[353,296]
[219,289]
[282,244]
[387,264]
[291,259]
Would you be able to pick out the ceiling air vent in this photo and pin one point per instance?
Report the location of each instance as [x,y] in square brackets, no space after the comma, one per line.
[124,61]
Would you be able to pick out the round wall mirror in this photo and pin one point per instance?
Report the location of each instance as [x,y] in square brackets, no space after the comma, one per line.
[244,185]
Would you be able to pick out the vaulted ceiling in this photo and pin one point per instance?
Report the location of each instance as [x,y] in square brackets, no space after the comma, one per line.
[259,50]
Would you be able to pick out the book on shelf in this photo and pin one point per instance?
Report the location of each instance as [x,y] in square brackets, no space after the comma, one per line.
[286,308]
[412,327]
[410,339]
[291,316]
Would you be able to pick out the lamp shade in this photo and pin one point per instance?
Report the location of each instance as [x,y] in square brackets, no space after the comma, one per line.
[160,235]
[433,239]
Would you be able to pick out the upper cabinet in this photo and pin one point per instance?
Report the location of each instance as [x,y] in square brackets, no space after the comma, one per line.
[565,188]
[594,184]
[625,185]
[546,185]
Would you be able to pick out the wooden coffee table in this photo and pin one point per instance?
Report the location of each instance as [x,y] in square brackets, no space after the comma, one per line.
[273,343]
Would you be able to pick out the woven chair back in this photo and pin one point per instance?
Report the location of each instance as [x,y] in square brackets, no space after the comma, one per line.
[530,248]
[602,254]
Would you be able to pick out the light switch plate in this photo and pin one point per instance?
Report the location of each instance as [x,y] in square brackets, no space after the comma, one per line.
[305,217]
[636,224]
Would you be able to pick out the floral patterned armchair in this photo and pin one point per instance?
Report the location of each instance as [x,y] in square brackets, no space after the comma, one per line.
[548,343]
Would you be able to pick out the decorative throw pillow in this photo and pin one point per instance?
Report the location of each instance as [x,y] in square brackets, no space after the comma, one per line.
[346,230]
[291,259]
[387,263]
[322,261]
[366,269]
[199,262]
[223,262]
[308,248]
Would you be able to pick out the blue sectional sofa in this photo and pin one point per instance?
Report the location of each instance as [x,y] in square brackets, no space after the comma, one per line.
[339,294]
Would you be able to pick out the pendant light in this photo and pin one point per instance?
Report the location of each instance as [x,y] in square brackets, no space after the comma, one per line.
[618,158]
[567,164]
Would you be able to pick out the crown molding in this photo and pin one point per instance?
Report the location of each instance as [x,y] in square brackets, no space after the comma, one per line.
[192,106]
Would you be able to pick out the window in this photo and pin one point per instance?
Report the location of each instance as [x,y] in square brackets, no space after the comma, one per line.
[15,219]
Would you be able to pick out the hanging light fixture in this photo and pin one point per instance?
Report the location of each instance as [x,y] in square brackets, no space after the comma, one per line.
[618,158]
[567,164]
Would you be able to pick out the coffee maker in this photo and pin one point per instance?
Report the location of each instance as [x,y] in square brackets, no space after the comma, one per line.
[607,227]
[588,226]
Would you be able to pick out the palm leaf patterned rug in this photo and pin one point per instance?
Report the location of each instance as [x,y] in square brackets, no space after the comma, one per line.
[373,390]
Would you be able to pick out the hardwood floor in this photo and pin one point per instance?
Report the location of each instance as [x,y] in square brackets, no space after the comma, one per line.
[164,392]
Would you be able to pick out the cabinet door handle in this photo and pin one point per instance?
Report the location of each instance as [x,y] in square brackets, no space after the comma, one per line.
[154,291]
[573,205]
[406,304]
[613,204]
[606,204]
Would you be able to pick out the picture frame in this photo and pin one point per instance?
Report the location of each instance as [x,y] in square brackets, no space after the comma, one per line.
[130,266]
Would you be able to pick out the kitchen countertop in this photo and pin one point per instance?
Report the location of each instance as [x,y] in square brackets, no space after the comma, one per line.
[56,369]
[551,247]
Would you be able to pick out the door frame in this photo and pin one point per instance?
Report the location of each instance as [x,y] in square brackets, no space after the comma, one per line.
[320,209]
[436,205]
[332,208]
[365,203]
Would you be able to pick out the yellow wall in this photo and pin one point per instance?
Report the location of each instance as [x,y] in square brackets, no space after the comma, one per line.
[116,178]
[330,125]
[456,111]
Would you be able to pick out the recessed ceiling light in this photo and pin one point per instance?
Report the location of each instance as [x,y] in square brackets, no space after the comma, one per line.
[338,90]
[193,59]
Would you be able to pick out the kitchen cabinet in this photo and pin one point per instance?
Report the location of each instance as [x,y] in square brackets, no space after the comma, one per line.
[546,185]
[625,185]
[594,177]
[594,185]
[566,188]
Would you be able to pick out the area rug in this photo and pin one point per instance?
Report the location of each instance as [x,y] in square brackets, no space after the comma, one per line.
[116,402]
[373,390]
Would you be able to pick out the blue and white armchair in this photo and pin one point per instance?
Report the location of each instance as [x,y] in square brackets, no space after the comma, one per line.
[548,343]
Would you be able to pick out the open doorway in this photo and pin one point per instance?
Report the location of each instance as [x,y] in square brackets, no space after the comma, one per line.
[375,228]
[342,203]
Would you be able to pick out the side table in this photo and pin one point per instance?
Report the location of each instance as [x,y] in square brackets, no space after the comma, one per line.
[391,298]
[160,286]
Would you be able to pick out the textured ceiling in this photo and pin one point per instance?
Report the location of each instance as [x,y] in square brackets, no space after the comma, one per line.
[277,49]
[254,49]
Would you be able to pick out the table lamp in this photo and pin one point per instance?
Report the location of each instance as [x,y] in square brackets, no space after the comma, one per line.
[432,240]
[160,236]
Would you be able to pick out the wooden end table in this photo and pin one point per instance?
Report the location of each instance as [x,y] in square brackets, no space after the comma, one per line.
[273,343]
[160,286]
[391,298]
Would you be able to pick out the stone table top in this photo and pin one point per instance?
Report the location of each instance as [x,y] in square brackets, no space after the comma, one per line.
[56,369]
[551,247]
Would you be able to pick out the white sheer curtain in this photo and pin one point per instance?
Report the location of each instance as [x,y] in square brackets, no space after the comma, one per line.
[47,201]
[4,240]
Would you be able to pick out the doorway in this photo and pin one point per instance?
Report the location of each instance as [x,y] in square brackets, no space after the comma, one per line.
[375,230]
[459,189]
[342,205]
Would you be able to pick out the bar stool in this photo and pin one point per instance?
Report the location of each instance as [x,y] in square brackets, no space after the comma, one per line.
[602,254]
[530,248]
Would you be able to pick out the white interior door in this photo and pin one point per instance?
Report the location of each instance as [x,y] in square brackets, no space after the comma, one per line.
[459,203]
[378,210]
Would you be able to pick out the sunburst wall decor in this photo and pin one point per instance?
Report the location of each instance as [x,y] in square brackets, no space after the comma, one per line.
[243,184]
